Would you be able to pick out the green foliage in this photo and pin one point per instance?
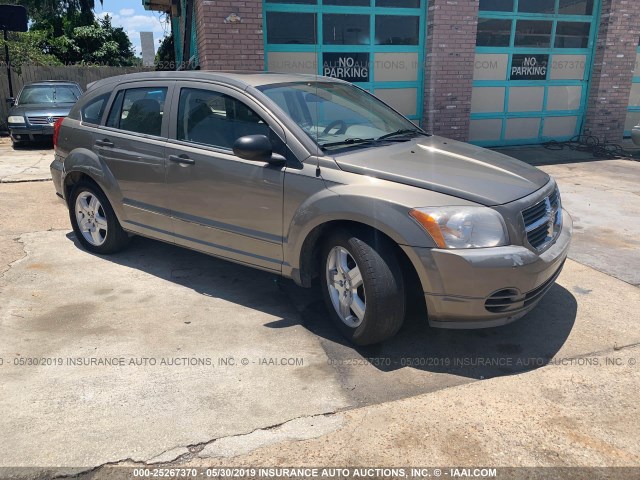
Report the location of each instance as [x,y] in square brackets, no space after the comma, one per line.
[28,48]
[67,32]
[44,10]
[166,54]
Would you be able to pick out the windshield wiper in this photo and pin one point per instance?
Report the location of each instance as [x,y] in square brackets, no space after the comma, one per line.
[348,141]
[402,131]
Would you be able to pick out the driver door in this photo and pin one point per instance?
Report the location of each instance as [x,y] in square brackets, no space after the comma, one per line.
[220,203]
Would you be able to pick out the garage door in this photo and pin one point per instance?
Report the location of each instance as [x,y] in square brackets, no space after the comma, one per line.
[633,115]
[376,44]
[532,67]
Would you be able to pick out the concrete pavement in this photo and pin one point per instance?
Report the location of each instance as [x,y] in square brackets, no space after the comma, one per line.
[555,388]
[24,164]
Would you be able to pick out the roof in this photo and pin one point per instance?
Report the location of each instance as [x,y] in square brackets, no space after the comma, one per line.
[240,79]
[53,82]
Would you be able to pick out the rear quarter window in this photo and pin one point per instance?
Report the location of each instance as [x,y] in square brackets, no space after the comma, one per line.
[93,110]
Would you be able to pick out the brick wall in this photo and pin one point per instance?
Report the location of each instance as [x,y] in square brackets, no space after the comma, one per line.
[450,52]
[230,46]
[614,61]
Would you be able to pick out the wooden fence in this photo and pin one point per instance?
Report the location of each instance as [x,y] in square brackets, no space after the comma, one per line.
[33,73]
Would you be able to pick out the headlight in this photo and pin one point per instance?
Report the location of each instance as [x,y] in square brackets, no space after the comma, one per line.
[15,119]
[462,227]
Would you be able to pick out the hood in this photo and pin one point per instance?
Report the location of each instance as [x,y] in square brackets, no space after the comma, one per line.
[42,109]
[448,166]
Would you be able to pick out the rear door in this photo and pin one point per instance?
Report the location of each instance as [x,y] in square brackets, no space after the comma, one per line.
[132,144]
[220,203]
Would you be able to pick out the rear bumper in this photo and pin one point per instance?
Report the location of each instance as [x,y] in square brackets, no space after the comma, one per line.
[487,287]
[57,174]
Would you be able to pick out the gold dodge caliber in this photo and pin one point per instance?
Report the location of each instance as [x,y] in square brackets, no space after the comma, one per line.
[312,178]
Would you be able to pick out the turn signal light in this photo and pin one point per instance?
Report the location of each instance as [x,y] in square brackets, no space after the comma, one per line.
[430,225]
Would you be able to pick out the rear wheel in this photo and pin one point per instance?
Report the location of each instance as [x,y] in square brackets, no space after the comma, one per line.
[363,286]
[94,221]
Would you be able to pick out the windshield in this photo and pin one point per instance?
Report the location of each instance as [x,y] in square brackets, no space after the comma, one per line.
[338,115]
[33,94]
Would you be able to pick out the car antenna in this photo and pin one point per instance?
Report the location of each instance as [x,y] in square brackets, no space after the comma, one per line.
[318,173]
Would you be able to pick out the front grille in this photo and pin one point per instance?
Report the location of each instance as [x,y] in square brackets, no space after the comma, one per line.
[510,300]
[543,220]
[40,120]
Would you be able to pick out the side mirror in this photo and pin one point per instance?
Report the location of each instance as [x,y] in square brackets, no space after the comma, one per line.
[10,100]
[257,148]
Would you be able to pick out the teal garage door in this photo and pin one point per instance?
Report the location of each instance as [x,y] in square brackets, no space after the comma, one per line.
[633,115]
[376,44]
[531,70]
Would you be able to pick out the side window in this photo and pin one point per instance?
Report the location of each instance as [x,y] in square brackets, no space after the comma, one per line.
[138,110]
[216,119]
[92,111]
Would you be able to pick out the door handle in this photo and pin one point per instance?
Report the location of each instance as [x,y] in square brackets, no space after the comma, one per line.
[182,159]
[104,143]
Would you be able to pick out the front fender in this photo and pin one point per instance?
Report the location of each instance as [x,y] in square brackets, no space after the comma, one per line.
[345,203]
[83,160]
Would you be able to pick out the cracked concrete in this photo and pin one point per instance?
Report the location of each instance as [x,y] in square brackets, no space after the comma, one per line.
[24,164]
[60,303]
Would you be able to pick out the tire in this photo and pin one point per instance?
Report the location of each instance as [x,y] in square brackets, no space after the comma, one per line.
[376,304]
[102,232]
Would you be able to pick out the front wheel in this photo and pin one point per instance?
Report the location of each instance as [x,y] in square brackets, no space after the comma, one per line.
[93,220]
[363,286]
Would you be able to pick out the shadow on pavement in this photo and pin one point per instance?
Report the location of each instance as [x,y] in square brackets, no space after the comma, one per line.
[36,145]
[527,344]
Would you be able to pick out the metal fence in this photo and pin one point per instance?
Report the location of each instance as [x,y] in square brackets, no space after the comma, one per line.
[33,73]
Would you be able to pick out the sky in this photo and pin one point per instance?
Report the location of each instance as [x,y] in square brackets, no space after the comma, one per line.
[132,16]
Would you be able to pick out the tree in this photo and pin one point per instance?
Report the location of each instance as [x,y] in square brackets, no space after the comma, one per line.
[67,32]
[28,47]
[102,43]
[166,54]
[43,10]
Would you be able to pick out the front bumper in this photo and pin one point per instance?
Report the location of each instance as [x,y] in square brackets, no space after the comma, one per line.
[487,287]
[30,133]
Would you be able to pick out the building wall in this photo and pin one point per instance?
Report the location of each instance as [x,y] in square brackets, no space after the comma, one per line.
[449,60]
[613,66]
[225,43]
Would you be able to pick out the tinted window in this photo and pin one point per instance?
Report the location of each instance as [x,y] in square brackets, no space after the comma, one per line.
[398,3]
[576,7]
[397,30]
[113,120]
[92,111]
[533,33]
[572,34]
[212,118]
[138,110]
[310,2]
[345,29]
[497,5]
[291,28]
[493,32]
[537,6]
